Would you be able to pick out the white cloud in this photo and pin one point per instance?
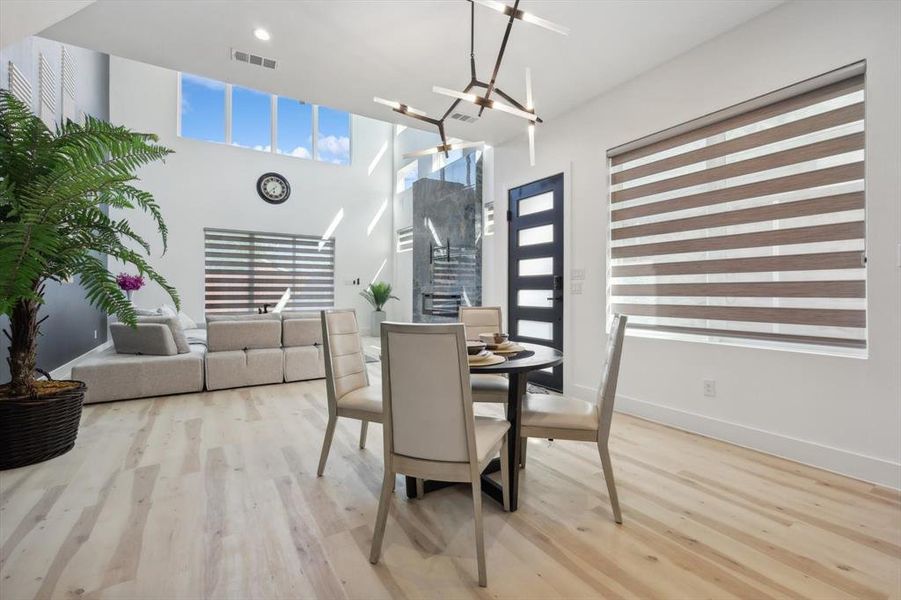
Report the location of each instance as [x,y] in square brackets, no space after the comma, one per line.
[334,145]
[266,148]
[300,152]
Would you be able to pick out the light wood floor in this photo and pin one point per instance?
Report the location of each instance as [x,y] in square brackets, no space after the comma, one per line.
[214,495]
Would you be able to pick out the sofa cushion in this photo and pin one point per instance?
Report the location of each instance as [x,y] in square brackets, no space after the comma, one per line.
[239,368]
[212,318]
[145,338]
[301,332]
[113,376]
[304,362]
[225,336]
[178,334]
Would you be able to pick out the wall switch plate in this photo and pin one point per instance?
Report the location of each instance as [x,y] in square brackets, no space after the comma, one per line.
[575,287]
[577,274]
[95,334]
[710,388]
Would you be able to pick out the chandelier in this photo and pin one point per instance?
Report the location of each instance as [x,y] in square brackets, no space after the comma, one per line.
[506,104]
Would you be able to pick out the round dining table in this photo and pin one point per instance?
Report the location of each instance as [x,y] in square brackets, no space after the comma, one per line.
[517,367]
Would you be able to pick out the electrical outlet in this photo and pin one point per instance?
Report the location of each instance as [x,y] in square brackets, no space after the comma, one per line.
[95,334]
[577,274]
[575,287]
[710,388]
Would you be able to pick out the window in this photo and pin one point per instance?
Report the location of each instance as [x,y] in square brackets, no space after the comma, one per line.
[405,239]
[333,141]
[407,176]
[748,225]
[251,119]
[202,108]
[245,270]
[295,128]
[219,112]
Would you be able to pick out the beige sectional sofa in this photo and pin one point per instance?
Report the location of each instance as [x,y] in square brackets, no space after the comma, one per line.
[233,351]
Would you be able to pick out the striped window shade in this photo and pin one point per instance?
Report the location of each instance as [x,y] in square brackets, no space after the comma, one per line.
[245,270]
[747,226]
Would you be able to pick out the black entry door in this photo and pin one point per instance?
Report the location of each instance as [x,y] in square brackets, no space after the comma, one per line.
[535,269]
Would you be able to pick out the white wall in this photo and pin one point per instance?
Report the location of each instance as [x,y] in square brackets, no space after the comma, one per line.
[843,414]
[213,185]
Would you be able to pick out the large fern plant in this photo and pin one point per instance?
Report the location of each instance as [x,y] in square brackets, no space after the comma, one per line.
[54,186]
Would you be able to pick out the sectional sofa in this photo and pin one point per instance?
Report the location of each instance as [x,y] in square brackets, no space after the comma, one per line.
[232,351]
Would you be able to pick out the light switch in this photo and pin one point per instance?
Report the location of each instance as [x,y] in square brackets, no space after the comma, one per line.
[575,287]
[577,274]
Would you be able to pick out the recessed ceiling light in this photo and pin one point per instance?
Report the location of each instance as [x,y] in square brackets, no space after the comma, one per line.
[261,34]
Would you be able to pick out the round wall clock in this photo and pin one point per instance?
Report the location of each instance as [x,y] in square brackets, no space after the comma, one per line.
[273,188]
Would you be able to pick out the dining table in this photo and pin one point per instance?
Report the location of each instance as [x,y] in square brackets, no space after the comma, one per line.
[532,357]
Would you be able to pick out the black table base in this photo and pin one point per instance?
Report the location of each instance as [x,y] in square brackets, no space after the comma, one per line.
[490,487]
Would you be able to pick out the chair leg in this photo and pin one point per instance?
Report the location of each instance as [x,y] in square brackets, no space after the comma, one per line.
[505,474]
[420,488]
[364,427]
[382,517]
[327,443]
[611,485]
[480,534]
[523,446]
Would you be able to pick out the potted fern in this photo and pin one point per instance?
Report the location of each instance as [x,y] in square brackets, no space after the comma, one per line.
[378,294]
[54,186]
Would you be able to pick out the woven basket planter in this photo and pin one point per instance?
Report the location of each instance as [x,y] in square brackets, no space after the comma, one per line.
[33,430]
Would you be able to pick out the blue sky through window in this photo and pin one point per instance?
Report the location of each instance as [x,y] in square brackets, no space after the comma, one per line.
[295,128]
[251,118]
[333,142]
[202,108]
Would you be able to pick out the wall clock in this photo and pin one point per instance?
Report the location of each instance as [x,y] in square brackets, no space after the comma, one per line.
[273,188]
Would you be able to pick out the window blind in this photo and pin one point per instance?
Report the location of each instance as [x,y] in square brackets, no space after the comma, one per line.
[747,224]
[246,269]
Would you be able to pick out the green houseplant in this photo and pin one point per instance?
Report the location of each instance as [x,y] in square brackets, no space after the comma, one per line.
[378,293]
[54,186]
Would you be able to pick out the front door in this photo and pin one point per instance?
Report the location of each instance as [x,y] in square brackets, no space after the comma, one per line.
[535,269]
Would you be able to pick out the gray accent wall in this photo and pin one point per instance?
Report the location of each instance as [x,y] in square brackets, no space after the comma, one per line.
[73,327]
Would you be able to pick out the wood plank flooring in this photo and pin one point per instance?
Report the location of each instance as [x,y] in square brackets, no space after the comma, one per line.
[214,495]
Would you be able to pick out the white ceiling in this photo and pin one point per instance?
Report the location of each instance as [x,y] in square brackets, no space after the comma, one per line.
[342,53]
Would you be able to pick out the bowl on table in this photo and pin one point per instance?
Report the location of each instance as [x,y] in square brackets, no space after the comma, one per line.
[474,348]
[494,339]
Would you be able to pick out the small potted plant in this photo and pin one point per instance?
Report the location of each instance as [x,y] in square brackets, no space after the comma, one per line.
[129,283]
[54,227]
[378,293]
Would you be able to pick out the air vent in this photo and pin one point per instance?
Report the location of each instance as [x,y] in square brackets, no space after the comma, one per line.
[253,59]
[464,118]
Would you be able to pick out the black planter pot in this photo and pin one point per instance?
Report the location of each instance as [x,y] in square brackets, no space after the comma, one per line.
[33,430]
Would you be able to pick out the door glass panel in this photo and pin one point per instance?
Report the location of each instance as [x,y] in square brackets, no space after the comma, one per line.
[539,203]
[536,235]
[536,266]
[535,298]
[541,330]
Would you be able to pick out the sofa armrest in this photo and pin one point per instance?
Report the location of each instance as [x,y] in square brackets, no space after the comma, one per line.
[147,338]
[223,336]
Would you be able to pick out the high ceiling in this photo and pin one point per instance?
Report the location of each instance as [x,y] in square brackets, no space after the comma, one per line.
[342,53]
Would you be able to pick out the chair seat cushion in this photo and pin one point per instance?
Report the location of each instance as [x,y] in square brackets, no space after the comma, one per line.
[367,398]
[489,432]
[489,388]
[558,412]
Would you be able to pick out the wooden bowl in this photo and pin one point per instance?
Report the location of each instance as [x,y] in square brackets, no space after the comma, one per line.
[494,338]
[473,348]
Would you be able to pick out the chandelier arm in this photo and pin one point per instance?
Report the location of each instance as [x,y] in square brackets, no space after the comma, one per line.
[456,102]
[443,138]
[516,104]
[500,54]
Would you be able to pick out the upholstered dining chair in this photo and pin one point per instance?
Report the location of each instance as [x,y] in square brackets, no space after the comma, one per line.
[485,319]
[429,428]
[556,417]
[346,380]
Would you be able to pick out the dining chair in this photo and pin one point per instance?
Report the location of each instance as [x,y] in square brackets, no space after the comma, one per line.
[346,380]
[560,418]
[485,319]
[429,428]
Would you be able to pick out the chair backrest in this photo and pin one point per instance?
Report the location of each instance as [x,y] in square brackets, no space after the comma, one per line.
[345,366]
[481,319]
[607,391]
[426,394]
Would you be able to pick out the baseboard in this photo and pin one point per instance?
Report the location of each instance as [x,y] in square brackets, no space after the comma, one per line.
[844,462]
[64,371]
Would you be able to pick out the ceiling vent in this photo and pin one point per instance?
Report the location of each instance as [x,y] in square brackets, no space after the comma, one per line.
[253,59]
[464,118]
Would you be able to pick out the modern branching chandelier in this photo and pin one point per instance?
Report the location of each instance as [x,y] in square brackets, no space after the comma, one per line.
[511,106]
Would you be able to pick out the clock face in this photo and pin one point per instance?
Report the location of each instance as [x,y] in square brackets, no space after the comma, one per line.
[273,188]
